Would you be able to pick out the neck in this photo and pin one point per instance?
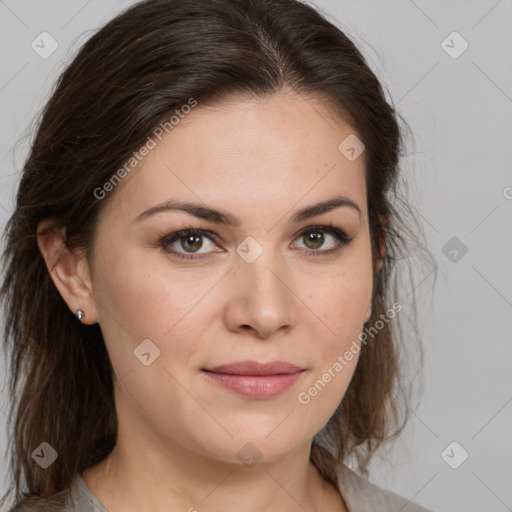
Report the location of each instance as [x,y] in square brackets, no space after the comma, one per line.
[135,476]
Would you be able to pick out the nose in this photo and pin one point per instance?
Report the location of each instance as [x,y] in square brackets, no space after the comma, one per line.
[263,300]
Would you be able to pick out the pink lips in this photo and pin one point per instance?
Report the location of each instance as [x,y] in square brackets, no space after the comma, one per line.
[256,380]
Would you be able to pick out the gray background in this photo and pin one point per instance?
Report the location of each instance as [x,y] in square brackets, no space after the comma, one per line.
[460,110]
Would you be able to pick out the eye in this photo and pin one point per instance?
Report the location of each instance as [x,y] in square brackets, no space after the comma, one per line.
[188,240]
[186,244]
[315,237]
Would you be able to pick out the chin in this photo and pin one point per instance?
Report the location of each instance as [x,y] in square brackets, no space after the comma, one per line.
[258,446]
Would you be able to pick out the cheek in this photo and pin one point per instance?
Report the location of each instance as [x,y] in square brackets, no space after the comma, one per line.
[145,302]
[144,296]
[141,300]
[340,307]
[341,303]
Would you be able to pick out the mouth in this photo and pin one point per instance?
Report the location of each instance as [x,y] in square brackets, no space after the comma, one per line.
[255,380]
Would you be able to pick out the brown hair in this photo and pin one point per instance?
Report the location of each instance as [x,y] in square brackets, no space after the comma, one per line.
[126,80]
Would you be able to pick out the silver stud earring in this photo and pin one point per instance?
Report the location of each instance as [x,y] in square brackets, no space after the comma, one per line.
[80,314]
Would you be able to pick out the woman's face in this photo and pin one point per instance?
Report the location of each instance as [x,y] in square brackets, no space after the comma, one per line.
[271,286]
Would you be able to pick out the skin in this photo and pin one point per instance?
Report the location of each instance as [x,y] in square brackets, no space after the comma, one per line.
[179,432]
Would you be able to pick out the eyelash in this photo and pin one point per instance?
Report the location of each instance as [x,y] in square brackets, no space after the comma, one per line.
[341,241]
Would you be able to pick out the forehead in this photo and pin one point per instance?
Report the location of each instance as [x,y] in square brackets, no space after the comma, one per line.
[265,154]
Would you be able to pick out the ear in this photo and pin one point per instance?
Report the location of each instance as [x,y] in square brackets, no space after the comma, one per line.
[380,261]
[68,269]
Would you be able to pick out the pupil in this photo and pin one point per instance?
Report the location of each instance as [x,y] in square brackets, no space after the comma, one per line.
[316,238]
[192,237]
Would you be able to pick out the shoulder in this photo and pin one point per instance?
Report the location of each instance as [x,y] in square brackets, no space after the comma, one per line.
[40,505]
[361,495]
[66,500]
[31,505]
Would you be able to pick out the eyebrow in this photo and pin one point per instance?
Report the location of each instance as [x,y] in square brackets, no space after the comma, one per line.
[222,217]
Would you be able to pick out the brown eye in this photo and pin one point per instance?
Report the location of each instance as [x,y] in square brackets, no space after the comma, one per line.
[187,241]
[192,242]
[315,238]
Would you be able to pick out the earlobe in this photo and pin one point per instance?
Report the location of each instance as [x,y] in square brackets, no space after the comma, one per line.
[68,270]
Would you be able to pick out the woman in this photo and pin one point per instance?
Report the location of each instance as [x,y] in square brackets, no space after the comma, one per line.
[198,283]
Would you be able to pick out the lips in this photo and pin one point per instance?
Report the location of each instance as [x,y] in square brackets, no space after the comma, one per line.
[256,380]
[255,368]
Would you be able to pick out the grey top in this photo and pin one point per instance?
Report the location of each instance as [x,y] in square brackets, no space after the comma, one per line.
[359,494]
